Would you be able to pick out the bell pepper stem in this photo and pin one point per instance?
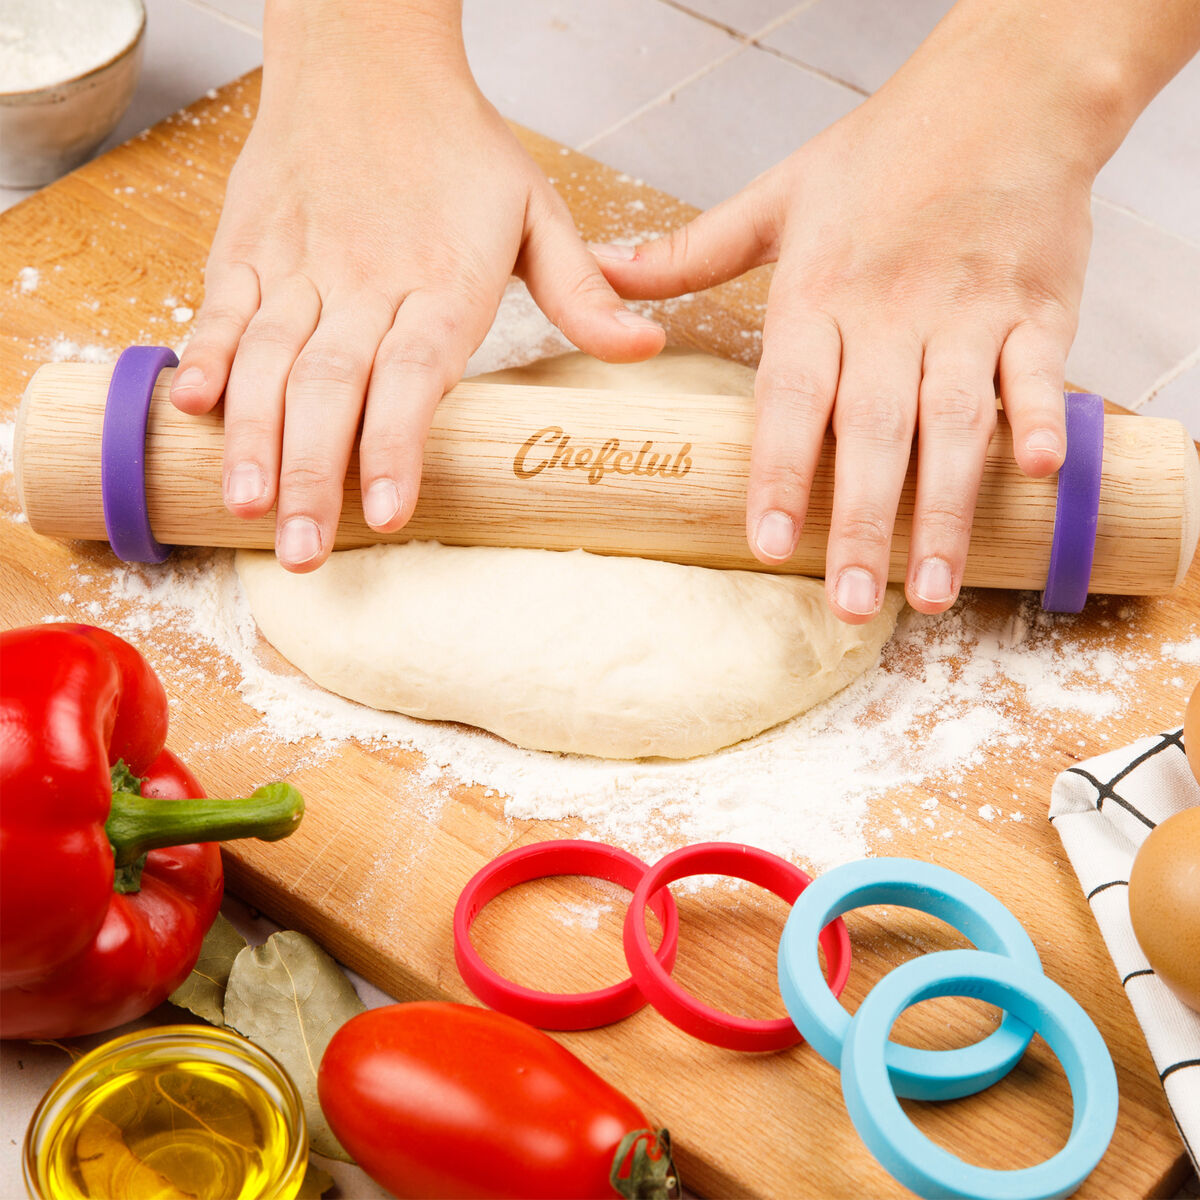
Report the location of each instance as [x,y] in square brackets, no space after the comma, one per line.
[137,824]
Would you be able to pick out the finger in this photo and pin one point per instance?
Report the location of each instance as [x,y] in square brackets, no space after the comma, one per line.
[956,415]
[325,395]
[231,299]
[1032,372]
[873,419]
[423,354]
[794,391]
[254,396]
[735,235]
[571,290]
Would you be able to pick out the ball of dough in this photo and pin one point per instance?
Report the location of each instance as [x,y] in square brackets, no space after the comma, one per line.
[569,651]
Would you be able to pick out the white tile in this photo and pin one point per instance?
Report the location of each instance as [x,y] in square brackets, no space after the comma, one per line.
[1156,172]
[188,51]
[248,13]
[11,196]
[747,17]
[725,128]
[861,42]
[1140,315]
[572,69]
[1179,399]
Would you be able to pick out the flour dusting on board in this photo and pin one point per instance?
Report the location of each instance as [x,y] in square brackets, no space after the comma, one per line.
[823,788]
[887,754]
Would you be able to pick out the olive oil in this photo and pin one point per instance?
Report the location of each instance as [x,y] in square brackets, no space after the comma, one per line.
[185,1120]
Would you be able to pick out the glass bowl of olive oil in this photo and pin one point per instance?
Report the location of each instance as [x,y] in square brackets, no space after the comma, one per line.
[179,1112]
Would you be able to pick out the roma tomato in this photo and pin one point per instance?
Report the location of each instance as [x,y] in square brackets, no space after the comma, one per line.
[441,1100]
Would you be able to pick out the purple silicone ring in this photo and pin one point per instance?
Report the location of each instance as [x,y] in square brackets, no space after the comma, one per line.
[1078,509]
[123,453]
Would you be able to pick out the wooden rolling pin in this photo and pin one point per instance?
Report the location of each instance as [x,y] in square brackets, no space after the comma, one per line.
[655,476]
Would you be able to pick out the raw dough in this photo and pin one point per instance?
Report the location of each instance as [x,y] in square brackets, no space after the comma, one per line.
[616,657]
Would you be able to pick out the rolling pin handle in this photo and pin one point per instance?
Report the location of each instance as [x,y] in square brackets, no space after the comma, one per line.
[123,453]
[1078,506]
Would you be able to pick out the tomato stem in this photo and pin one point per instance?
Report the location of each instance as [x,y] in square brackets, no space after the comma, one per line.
[642,1167]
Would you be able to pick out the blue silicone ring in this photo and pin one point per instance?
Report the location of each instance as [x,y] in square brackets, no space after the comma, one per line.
[123,453]
[921,1164]
[909,883]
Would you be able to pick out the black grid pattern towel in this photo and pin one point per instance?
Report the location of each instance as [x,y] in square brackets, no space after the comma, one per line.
[1103,809]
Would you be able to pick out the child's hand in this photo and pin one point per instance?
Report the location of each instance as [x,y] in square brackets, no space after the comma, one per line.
[931,242]
[370,226]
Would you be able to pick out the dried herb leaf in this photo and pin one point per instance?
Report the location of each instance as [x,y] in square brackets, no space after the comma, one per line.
[203,991]
[315,1183]
[290,998]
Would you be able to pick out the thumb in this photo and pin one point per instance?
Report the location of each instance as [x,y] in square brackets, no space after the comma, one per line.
[739,233]
[569,287]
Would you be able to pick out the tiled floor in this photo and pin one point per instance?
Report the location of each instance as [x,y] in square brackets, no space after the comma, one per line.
[698,96]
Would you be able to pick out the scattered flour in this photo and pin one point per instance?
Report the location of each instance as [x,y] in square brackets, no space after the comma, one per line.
[889,753]
[1184,652]
[28,279]
[182,314]
[44,42]
[63,349]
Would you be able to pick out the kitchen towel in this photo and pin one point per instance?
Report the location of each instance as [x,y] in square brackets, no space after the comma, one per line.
[1103,809]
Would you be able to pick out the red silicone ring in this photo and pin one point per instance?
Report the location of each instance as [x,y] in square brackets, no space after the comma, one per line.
[550,1010]
[679,1006]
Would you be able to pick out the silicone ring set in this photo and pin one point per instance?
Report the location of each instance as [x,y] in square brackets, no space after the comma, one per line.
[123,478]
[1004,969]
[650,979]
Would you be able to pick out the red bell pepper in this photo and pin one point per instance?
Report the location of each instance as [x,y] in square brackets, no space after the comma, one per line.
[105,896]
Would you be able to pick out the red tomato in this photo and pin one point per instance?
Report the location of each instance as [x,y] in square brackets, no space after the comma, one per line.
[442,1100]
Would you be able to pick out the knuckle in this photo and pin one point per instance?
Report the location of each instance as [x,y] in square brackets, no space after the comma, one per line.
[961,409]
[798,393]
[787,483]
[250,429]
[271,332]
[214,317]
[678,248]
[327,364]
[585,287]
[884,422]
[412,356]
[944,522]
[865,529]
[306,475]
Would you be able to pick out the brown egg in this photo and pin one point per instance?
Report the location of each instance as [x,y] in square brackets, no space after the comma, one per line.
[1191,732]
[1164,902]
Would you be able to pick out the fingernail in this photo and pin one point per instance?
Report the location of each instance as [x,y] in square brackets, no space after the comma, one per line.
[246,483]
[855,591]
[1044,441]
[615,253]
[187,380]
[298,541]
[933,583]
[381,502]
[775,535]
[634,320]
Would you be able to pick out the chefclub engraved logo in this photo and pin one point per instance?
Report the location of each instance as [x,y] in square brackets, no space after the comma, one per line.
[551,447]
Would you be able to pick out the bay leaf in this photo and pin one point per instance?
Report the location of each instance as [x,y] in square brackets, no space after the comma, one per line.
[203,991]
[289,997]
[314,1184]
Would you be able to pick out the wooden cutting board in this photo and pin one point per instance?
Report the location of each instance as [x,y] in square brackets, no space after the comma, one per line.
[375,869]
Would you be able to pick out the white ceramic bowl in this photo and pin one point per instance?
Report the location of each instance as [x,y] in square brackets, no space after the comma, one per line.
[50,130]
